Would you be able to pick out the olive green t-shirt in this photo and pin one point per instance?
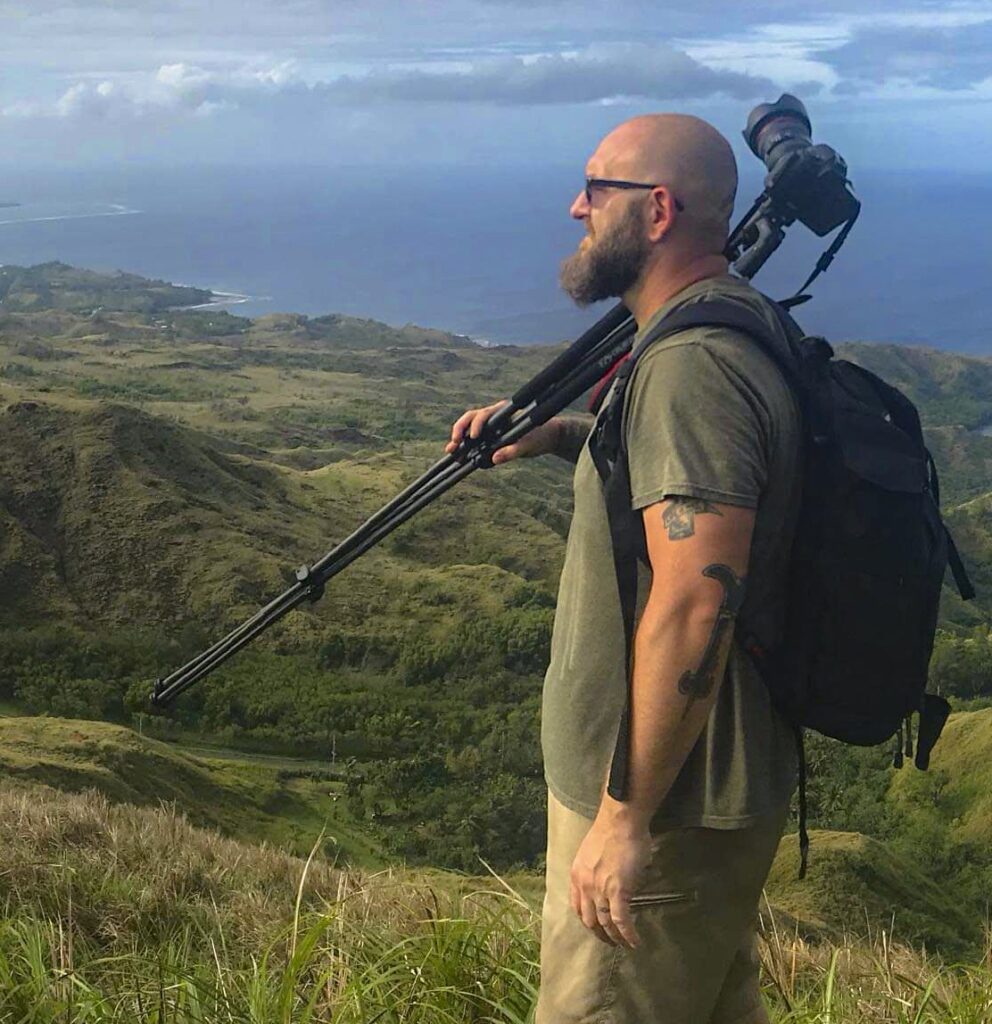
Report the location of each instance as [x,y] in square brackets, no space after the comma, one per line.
[707,415]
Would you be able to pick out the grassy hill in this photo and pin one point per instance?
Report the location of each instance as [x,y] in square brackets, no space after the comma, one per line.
[164,474]
[919,887]
[164,471]
[290,805]
[59,286]
[925,875]
[858,886]
[950,807]
[121,914]
[98,500]
[173,467]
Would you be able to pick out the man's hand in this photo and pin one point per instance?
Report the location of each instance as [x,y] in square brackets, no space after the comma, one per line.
[542,440]
[606,872]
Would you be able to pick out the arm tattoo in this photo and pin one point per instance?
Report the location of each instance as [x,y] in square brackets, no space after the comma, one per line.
[680,514]
[697,684]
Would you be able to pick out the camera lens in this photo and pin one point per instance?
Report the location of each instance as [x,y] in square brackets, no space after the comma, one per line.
[775,129]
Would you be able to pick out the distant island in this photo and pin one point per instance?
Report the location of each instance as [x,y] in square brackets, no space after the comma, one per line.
[7,206]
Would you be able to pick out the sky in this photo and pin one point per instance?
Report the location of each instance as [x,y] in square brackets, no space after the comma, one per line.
[893,84]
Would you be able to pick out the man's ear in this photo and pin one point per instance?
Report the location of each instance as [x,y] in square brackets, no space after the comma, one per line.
[661,215]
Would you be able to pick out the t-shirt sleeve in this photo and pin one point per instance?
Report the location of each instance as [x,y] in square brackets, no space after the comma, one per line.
[694,427]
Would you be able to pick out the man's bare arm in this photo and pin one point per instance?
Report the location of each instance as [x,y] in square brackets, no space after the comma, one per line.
[699,555]
[573,429]
[683,638]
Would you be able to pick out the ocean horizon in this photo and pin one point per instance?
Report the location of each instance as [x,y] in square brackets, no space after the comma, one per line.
[477,252]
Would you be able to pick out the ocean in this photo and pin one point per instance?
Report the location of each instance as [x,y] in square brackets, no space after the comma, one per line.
[476,251]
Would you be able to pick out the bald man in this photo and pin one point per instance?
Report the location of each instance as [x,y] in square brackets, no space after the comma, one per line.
[651,903]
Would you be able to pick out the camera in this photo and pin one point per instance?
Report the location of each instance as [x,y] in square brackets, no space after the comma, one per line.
[805,182]
[809,181]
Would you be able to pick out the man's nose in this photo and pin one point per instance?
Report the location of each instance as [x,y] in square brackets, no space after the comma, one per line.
[579,209]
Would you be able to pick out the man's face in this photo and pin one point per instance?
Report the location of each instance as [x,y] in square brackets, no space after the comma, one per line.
[609,260]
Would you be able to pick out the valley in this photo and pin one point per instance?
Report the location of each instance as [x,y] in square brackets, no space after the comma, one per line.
[165,469]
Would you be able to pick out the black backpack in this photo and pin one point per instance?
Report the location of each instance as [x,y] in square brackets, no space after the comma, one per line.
[868,556]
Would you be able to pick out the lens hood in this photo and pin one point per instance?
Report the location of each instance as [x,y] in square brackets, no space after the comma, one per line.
[786,108]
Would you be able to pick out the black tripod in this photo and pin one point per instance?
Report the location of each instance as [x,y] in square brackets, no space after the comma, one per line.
[553,389]
[576,370]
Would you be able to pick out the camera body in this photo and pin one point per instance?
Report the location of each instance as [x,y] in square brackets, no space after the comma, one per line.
[806,182]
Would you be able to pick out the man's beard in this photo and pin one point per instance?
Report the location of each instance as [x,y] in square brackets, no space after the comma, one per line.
[610,264]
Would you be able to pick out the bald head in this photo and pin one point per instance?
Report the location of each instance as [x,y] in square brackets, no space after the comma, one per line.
[689,156]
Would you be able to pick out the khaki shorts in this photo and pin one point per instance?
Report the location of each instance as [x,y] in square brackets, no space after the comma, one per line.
[696,914]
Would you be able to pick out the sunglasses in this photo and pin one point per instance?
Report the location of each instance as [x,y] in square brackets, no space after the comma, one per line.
[592,183]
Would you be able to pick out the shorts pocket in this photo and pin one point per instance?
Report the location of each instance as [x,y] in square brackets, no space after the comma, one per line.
[660,899]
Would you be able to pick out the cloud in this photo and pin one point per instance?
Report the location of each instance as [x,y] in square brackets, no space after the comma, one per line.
[601,73]
[23,109]
[949,57]
[86,99]
[174,90]
[464,78]
[596,75]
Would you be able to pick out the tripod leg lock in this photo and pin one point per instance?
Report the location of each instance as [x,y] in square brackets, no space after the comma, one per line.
[313,584]
[474,449]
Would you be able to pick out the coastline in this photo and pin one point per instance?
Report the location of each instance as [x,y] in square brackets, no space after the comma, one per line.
[116,210]
[222,299]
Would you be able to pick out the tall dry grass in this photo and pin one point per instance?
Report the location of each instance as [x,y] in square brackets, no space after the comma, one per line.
[115,914]
[868,981]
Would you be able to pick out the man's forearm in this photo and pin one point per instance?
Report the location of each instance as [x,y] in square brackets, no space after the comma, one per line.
[573,429]
[680,653]
[698,552]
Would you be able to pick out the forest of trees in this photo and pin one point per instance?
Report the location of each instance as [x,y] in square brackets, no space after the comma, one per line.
[437,739]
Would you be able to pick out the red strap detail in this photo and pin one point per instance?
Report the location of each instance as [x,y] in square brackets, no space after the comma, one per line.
[600,388]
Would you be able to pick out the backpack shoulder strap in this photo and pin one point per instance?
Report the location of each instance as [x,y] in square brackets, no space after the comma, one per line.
[732,315]
[607,440]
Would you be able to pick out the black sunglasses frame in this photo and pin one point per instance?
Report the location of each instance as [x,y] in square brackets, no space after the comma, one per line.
[592,183]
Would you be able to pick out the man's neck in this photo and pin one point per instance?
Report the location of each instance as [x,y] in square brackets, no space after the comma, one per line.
[655,289]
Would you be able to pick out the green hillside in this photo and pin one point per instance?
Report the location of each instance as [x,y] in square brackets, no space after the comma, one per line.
[856,885]
[165,471]
[926,872]
[251,800]
[124,915]
[173,467]
[163,476]
[59,286]
[950,806]
[99,500]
